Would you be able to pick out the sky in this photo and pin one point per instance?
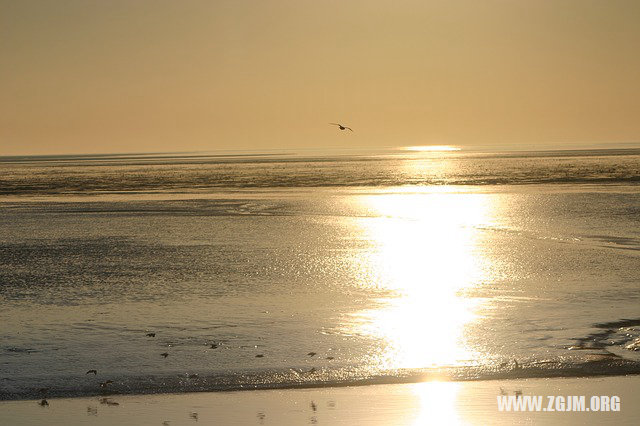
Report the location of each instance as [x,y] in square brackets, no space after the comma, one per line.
[88,76]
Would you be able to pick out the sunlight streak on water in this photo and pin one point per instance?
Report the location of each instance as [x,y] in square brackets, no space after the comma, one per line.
[432,148]
[426,253]
[438,403]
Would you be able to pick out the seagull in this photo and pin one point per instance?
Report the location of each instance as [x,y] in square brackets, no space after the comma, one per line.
[107,401]
[95,372]
[165,354]
[151,334]
[311,353]
[342,127]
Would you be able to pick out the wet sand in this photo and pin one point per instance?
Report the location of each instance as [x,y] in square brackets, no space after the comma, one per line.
[402,404]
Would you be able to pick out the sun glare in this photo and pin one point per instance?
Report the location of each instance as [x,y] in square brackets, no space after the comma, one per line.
[438,403]
[425,255]
[422,148]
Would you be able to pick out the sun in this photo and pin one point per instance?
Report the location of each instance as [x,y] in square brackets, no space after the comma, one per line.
[422,148]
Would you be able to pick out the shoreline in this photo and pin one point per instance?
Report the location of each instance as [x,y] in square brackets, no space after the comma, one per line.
[592,366]
[441,402]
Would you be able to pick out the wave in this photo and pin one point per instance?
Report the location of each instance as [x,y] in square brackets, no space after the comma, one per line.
[165,184]
[591,365]
[189,175]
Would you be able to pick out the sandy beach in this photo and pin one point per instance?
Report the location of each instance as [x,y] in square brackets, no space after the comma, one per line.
[473,402]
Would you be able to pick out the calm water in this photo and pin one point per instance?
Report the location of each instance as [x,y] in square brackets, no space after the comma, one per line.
[390,266]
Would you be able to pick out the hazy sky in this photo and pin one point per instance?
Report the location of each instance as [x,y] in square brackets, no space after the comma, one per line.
[152,75]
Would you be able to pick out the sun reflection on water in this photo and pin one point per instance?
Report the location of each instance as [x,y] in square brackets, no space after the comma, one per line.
[438,403]
[426,253]
[432,148]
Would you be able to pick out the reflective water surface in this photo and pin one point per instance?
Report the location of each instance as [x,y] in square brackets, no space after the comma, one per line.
[324,274]
[427,250]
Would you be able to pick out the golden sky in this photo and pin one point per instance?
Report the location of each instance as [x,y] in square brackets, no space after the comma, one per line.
[86,76]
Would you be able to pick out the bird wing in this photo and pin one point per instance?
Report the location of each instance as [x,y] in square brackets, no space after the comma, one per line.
[336,124]
[348,128]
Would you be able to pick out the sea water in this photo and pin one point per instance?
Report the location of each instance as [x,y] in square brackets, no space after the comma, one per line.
[282,269]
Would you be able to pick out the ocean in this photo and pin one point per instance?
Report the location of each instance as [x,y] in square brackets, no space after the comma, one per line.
[229,271]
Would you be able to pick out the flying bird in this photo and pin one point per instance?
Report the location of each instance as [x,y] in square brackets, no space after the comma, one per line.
[151,334]
[95,372]
[342,127]
[164,354]
[311,353]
